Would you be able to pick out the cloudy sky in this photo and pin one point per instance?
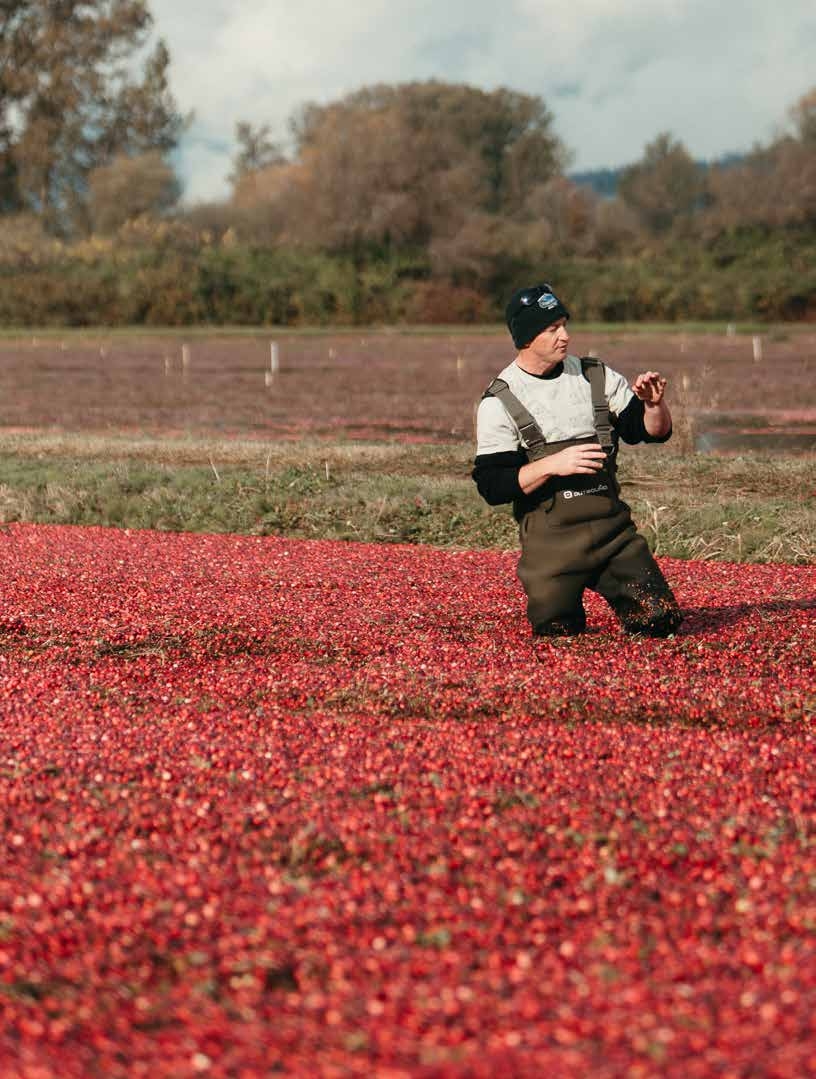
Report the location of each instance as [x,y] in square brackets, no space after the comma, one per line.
[718,74]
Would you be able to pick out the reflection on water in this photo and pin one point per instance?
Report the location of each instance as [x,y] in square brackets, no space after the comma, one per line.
[724,440]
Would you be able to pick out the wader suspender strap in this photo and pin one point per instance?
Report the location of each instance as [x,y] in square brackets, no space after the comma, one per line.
[530,432]
[594,370]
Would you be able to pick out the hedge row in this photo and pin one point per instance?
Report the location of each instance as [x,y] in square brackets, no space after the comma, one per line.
[743,277]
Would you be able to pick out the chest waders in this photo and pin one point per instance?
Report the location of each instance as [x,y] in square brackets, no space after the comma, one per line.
[581,534]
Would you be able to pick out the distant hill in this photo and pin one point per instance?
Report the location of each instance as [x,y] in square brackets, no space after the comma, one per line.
[604,182]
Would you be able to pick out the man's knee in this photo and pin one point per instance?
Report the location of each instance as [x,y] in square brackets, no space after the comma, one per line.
[640,596]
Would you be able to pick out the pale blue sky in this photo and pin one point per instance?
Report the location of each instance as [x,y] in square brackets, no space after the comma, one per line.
[718,75]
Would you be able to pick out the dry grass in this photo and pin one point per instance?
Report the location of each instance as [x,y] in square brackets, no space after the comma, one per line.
[368,435]
[688,506]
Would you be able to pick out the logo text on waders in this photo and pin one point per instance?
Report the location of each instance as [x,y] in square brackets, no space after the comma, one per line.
[589,491]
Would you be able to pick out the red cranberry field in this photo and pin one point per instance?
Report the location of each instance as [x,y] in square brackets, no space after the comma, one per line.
[319,809]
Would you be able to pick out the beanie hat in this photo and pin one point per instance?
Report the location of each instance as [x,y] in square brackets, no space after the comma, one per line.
[532,310]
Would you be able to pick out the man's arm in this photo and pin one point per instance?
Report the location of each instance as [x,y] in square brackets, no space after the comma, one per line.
[504,477]
[583,460]
[496,476]
[650,388]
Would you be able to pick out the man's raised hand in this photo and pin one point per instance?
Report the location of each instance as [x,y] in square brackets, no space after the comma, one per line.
[649,387]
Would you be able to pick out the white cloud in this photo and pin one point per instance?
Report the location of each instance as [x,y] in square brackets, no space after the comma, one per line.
[614,73]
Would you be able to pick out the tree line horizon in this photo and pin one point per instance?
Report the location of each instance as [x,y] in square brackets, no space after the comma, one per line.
[418,202]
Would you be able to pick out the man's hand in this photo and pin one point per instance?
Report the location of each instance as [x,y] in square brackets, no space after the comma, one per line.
[583,460]
[649,387]
[576,460]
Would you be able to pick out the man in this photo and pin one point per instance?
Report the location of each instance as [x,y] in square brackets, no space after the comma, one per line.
[547,434]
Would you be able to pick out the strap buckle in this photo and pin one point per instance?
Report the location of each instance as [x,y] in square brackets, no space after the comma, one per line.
[531,434]
[603,427]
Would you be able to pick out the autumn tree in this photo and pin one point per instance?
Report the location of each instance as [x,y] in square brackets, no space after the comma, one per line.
[665,186]
[773,187]
[409,164]
[128,187]
[803,115]
[508,133]
[568,212]
[69,101]
[615,228]
[256,151]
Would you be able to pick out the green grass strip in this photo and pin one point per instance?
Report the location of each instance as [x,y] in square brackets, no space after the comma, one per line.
[741,509]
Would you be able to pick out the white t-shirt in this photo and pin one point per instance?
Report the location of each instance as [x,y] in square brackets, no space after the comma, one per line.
[561,406]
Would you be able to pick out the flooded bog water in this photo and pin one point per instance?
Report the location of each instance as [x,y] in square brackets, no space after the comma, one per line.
[719,435]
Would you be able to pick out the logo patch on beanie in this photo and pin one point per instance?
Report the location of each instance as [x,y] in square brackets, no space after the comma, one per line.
[546,301]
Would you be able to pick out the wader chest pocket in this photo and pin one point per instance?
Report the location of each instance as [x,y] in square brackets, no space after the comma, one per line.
[584,498]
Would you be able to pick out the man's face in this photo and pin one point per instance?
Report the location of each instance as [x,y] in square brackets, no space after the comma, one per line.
[550,346]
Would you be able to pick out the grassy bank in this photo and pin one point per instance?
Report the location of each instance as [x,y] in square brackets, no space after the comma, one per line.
[748,509]
[75,335]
